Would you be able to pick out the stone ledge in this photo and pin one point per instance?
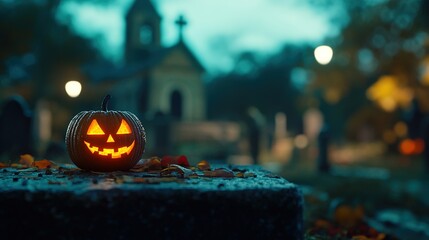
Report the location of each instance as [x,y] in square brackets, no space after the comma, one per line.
[86,205]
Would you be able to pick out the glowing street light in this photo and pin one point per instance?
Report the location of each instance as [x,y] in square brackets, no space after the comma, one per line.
[323,54]
[73,88]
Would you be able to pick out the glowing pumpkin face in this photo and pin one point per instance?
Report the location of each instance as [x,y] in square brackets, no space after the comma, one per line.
[105,140]
[110,148]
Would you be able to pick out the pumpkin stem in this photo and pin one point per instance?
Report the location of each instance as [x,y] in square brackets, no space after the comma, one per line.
[104,103]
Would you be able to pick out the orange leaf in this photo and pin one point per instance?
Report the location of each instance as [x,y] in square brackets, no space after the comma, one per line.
[203,165]
[321,223]
[3,165]
[26,160]
[348,216]
[43,164]
[176,170]
[219,172]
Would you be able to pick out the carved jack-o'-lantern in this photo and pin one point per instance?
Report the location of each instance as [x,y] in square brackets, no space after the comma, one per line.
[105,140]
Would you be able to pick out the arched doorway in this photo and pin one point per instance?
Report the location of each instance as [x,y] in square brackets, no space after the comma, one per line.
[176,104]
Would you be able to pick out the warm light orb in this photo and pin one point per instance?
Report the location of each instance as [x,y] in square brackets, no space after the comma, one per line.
[323,54]
[73,88]
[301,141]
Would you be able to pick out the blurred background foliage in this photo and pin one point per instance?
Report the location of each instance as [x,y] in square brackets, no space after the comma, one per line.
[378,39]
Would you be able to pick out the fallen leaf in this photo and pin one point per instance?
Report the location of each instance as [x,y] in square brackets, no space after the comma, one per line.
[18,165]
[239,175]
[249,174]
[181,160]
[203,165]
[43,164]
[153,163]
[348,216]
[321,223]
[3,165]
[219,172]
[139,180]
[26,160]
[175,170]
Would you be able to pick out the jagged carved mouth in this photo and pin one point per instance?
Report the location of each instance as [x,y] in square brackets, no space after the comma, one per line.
[113,153]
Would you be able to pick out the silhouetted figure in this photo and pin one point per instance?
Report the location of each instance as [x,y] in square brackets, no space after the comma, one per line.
[162,130]
[254,138]
[323,140]
[425,132]
[413,118]
[253,123]
[15,128]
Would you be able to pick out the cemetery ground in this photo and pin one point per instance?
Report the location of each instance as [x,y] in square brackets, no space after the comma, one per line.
[374,198]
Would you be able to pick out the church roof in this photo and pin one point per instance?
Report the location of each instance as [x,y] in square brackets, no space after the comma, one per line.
[145,6]
[107,71]
[190,54]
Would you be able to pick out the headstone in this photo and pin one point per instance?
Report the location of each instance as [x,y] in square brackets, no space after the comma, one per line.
[280,125]
[162,131]
[15,128]
[255,123]
[42,126]
[425,132]
[313,121]
[413,118]
[282,146]
[323,164]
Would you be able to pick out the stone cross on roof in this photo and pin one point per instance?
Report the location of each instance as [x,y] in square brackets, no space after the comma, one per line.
[181,23]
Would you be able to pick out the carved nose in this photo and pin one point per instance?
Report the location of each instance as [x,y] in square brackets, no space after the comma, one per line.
[110,139]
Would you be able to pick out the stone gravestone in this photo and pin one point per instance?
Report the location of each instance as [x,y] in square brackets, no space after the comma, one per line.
[323,164]
[162,127]
[15,128]
[425,131]
[413,118]
[313,122]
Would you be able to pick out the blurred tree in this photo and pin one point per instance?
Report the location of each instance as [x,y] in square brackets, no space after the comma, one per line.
[261,83]
[378,38]
[31,29]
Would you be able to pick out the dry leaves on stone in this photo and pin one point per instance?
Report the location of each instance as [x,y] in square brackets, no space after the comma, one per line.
[203,165]
[348,216]
[175,170]
[144,165]
[44,164]
[27,161]
[219,172]
[181,160]
[347,223]
[245,174]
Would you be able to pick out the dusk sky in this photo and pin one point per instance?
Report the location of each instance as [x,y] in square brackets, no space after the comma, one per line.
[217,30]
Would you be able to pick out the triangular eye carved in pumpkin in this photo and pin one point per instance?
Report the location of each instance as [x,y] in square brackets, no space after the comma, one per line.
[124,128]
[94,128]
